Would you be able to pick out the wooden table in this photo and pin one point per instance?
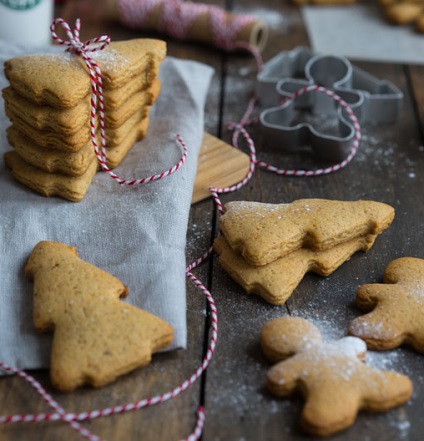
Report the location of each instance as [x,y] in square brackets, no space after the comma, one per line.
[389,167]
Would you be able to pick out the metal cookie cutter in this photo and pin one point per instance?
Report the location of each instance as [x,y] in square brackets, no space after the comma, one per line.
[372,100]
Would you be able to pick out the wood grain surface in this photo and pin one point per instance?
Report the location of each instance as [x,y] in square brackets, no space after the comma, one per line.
[220,165]
[389,167]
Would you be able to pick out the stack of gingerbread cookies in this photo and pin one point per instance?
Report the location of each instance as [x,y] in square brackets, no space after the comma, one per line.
[49,104]
[268,248]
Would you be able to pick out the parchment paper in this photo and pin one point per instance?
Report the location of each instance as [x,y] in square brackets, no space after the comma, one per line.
[360,32]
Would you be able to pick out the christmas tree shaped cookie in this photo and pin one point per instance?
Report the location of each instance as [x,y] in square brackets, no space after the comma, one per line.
[334,381]
[396,307]
[268,248]
[97,337]
[262,233]
[276,281]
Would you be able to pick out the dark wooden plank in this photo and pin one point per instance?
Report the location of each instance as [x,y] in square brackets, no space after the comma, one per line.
[415,74]
[387,168]
[238,407]
[164,373]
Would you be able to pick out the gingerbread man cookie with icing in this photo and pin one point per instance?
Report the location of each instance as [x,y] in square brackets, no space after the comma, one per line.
[335,382]
[396,307]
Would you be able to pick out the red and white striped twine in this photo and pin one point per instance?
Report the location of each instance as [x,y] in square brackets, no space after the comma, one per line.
[75,46]
[239,128]
[73,419]
[177,17]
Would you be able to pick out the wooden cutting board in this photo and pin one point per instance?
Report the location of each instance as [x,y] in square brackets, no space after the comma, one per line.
[219,165]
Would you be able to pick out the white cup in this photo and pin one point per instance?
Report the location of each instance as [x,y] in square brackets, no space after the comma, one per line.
[26,21]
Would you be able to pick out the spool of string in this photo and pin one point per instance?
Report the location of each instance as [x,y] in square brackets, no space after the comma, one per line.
[198,22]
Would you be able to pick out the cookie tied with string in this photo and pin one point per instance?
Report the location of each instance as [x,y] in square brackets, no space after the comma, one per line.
[68,108]
[62,81]
[97,337]
[331,376]
[395,308]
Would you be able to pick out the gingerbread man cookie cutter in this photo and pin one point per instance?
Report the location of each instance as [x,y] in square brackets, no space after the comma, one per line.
[372,101]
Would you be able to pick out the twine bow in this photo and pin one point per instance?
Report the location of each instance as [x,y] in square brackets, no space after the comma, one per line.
[74,43]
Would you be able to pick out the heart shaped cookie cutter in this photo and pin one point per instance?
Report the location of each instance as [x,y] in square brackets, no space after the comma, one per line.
[372,101]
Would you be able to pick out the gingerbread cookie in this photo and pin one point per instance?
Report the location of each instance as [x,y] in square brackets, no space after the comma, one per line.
[66,121]
[397,307]
[97,337]
[115,136]
[141,100]
[49,105]
[72,188]
[50,160]
[117,153]
[404,12]
[334,381]
[262,233]
[115,98]
[61,80]
[419,24]
[276,281]
[48,125]
[49,139]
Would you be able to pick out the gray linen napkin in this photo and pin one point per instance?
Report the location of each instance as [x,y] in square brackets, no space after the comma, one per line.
[137,234]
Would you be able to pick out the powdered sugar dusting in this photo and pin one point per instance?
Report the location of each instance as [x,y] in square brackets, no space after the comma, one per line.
[332,319]
[387,360]
[351,346]
[111,60]
[257,209]
[376,329]
[402,424]
[63,61]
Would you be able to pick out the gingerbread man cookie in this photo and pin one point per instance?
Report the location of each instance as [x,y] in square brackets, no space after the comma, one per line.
[97,337]
[335,382]
[397,307]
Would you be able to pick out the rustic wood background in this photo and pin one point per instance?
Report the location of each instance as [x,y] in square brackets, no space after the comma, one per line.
[389,167]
